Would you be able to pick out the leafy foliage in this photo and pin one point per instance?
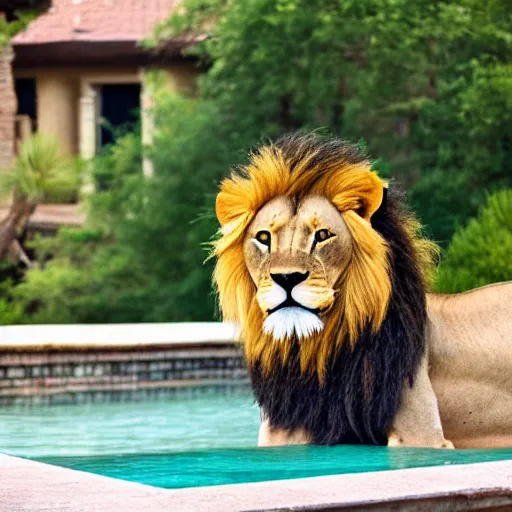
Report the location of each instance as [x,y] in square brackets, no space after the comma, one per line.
[481,252]
[140,258]
[426,85]
[9,29]
[10,312]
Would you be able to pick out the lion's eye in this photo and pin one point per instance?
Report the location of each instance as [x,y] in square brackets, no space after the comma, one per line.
[263,237]
[322,235]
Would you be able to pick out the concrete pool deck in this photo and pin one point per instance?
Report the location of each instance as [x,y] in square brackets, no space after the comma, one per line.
[32,486]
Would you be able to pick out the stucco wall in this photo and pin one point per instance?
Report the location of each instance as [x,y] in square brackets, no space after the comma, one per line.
[59,92]
[182,78]
[57,100]
[7,109]
[66,104]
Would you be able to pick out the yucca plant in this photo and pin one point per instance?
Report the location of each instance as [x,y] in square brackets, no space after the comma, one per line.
[40,171]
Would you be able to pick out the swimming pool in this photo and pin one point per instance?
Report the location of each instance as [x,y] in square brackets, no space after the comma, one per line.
[203,438]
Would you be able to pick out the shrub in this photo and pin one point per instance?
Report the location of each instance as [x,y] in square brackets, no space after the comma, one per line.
[140,258]
[480,253]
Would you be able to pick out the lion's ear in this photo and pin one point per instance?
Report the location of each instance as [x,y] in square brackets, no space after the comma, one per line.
[368,195]
[374,201]
[229,206]
[233,201]
[360,191]
[383,203]
[222,209]
[233,216]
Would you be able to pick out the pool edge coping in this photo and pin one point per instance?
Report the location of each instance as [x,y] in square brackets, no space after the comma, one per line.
[123,336]
[477,486]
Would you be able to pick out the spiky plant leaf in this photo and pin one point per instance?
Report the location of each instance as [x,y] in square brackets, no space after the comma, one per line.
[40,169]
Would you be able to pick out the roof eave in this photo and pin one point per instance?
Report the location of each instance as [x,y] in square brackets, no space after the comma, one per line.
[94,53]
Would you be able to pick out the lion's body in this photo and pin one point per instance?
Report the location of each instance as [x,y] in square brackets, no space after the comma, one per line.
[470,364]
[326,274]
[463,392]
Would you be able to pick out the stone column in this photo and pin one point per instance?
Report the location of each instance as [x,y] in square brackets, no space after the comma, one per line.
[8,107]
[147,125]
[87,123]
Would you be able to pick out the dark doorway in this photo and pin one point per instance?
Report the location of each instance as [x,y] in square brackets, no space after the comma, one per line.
[26,96]
[120,110]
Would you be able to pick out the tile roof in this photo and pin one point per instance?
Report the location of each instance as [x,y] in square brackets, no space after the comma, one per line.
[96,21]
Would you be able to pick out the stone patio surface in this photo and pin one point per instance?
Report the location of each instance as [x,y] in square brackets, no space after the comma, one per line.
[31,486]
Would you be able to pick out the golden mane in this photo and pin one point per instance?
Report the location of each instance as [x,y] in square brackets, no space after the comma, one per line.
[364,289]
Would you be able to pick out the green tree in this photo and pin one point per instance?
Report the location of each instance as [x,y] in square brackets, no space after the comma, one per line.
[9,29]
[480,253]
[428,85]
[425,85]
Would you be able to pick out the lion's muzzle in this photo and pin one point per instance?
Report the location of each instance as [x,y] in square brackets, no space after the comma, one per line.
[292,305]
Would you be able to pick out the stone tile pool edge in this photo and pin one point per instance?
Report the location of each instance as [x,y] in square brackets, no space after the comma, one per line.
[33,486]
[64,364]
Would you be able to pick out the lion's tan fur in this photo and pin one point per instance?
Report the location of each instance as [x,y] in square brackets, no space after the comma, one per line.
[463,389]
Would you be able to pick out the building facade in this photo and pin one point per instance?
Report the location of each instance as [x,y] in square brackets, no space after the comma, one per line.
[79,69]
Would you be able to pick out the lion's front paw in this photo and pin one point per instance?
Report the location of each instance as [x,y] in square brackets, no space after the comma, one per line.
[448,445]
[395,440]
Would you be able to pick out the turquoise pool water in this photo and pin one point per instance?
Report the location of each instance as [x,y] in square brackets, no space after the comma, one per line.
[203,420]
[206,439]
[224,466]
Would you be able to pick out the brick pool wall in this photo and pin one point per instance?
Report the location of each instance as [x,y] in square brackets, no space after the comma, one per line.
[54,376]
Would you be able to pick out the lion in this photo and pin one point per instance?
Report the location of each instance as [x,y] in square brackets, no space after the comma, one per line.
[326,272]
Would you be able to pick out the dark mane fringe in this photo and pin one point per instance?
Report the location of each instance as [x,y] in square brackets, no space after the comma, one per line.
[362,390]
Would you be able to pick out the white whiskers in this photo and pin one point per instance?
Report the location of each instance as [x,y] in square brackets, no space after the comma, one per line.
[271,296]
[285,322]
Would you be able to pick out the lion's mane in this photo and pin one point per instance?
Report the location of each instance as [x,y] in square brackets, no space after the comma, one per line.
[344,384]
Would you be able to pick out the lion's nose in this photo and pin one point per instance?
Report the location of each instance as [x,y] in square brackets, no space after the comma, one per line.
[289,281]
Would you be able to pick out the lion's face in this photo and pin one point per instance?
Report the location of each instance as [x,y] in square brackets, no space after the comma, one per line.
[300,254]
[296,254]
